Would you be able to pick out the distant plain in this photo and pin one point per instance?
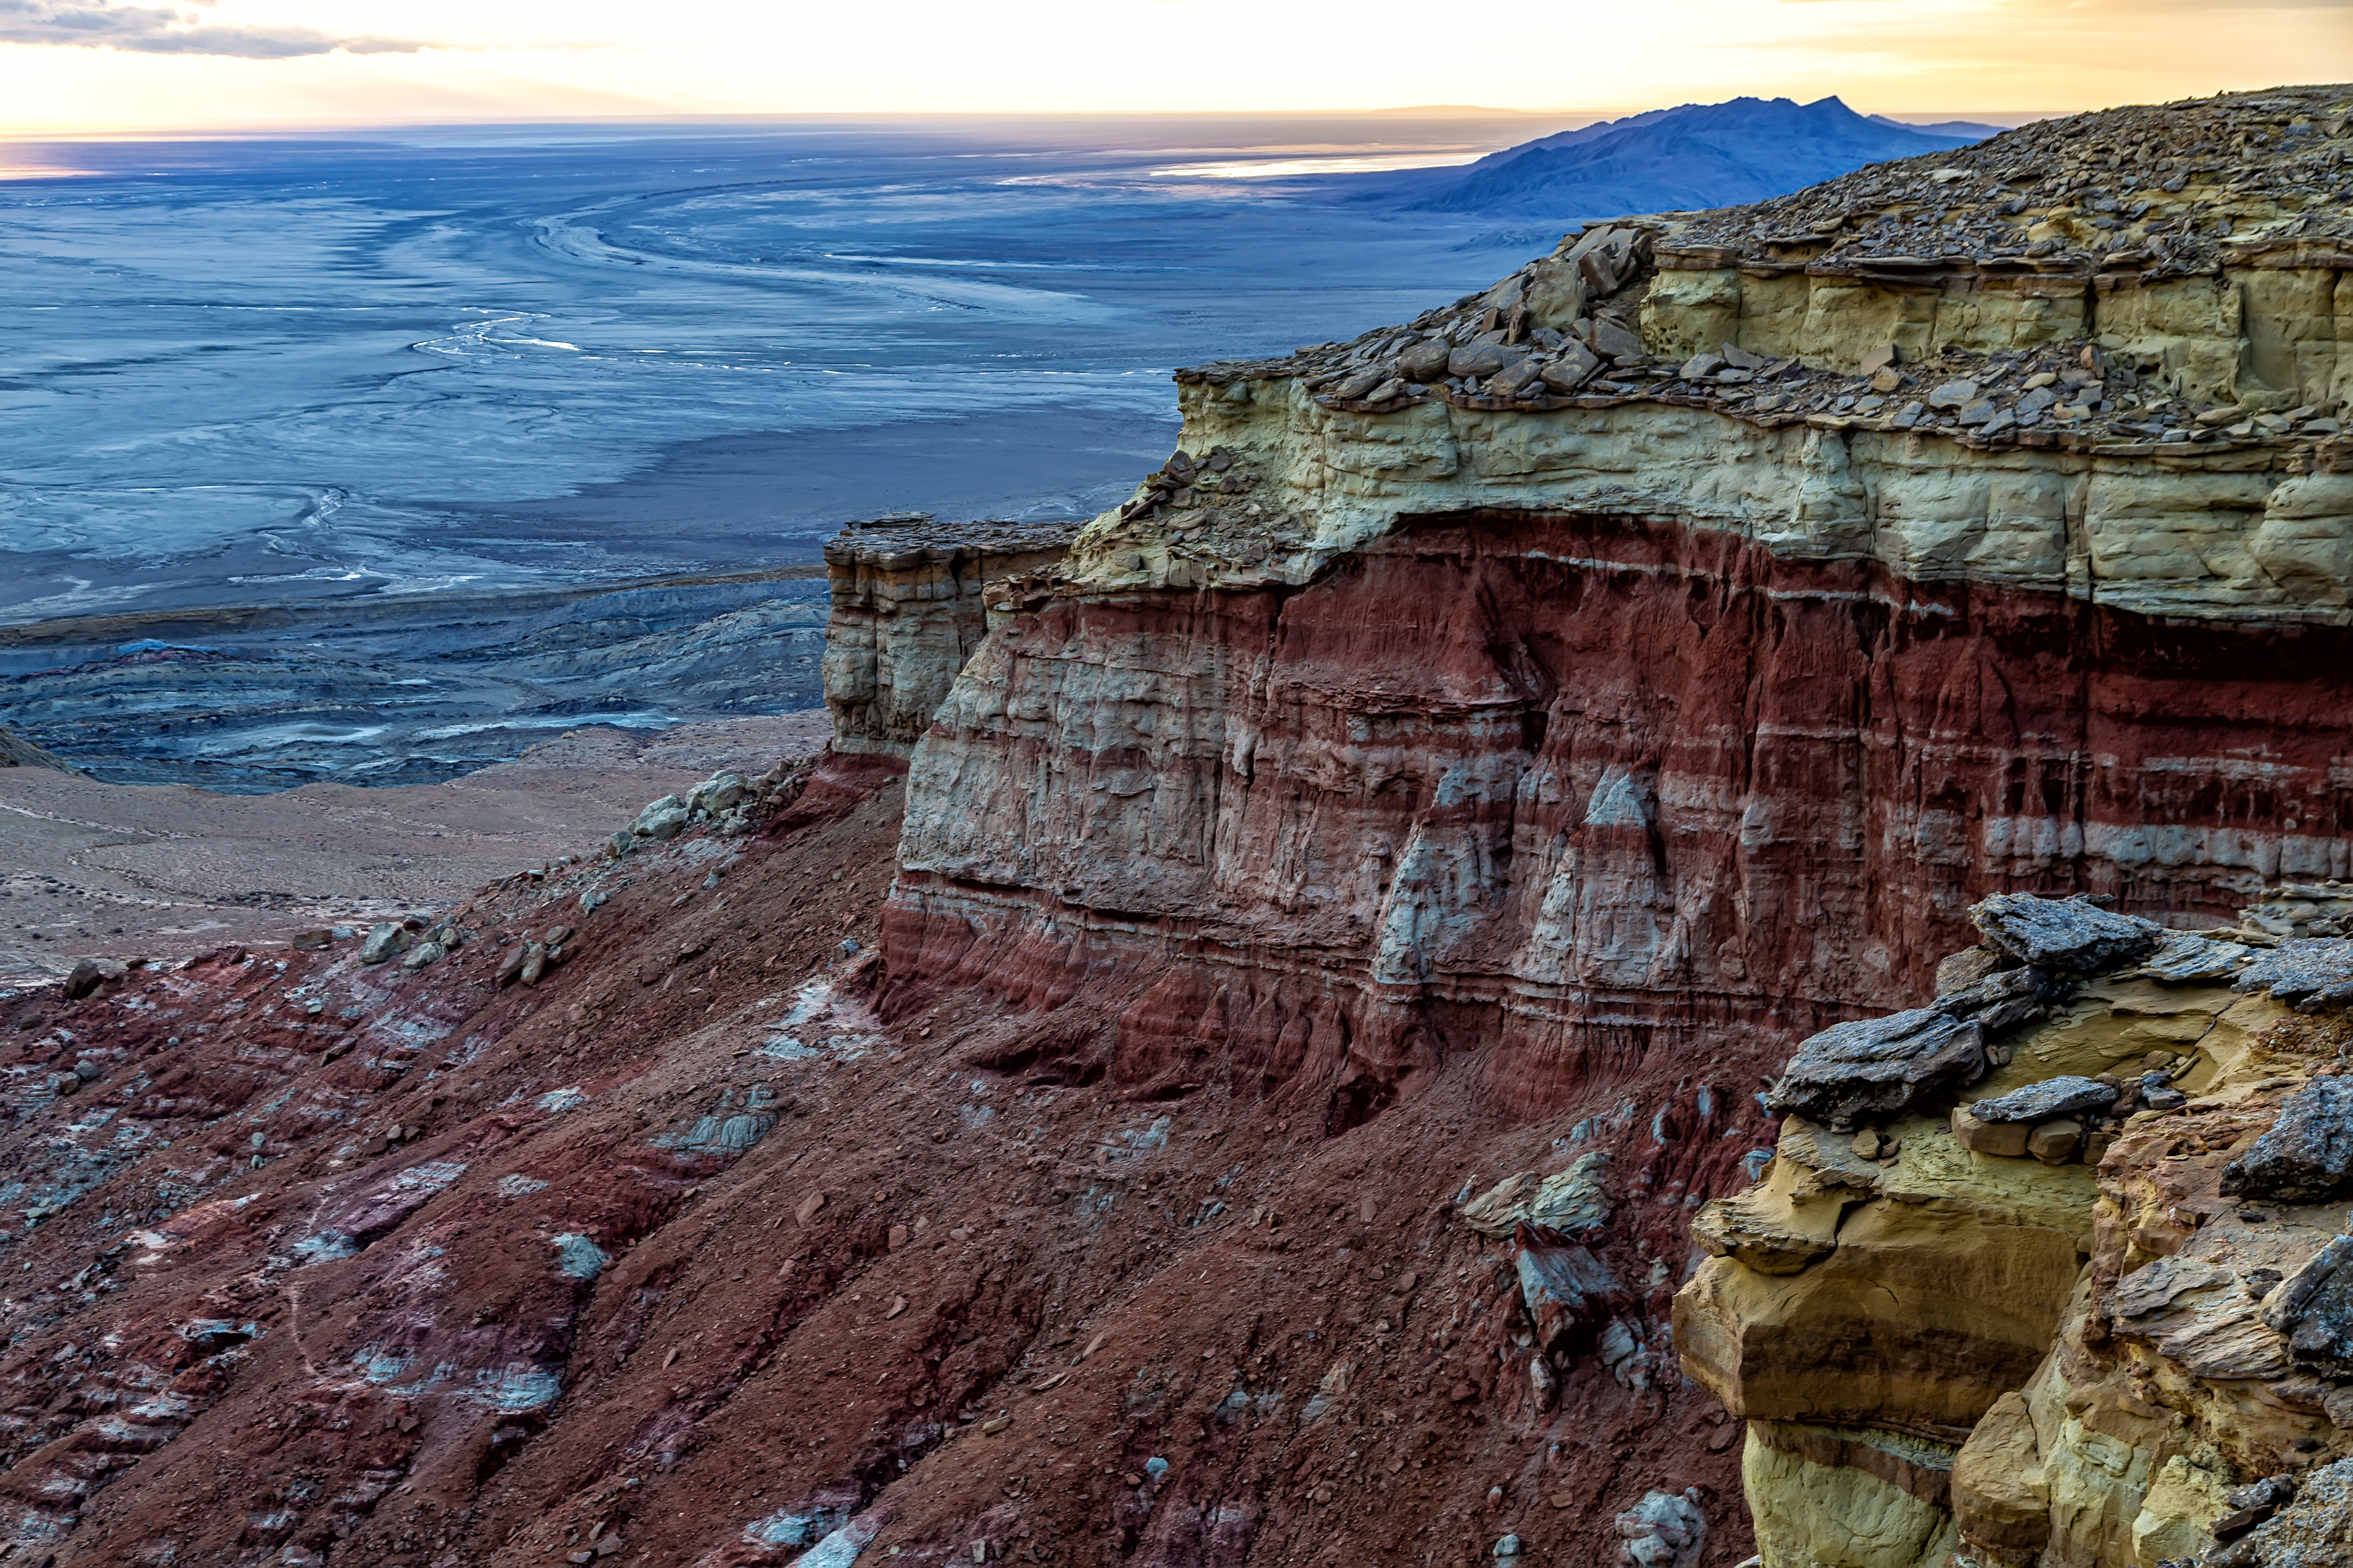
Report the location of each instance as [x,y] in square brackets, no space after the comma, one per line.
[290,401]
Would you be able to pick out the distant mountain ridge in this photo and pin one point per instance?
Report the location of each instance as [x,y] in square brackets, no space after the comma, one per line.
[1696,157]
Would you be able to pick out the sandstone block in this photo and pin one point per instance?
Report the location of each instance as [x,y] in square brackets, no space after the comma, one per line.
[1952,394]
[2306,1155]
[2181,1502]
[1764,1233]
[1999,1497]
[2006,1139]
[2055,1143]
[1876,358]
[1509,381]
[1612,342]
[663,818]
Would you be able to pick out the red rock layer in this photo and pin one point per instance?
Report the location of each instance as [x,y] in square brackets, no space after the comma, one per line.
[683,1251]
[1608,804]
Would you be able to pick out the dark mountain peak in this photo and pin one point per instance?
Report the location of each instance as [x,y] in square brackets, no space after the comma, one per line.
[1694,156]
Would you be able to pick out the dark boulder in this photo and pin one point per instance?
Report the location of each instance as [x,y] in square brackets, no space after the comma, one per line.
[2052,1097]
[2070,936]
[2306,1155]
[1878,1068]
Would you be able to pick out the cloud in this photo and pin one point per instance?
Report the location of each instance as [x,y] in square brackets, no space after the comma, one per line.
[153,30]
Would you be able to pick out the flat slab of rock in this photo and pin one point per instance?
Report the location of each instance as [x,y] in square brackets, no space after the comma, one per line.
[1878,1068]
[2306,1155]
[2313,969]
[2188,958]
[2068,935]
[2052,1097]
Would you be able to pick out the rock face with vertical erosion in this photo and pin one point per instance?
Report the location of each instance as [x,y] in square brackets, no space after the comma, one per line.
[1672,701]
[908,607]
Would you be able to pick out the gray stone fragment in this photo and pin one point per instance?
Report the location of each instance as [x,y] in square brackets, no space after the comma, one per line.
[2313,1308]
[1509,381]
[2189,958]
[1566,1288]
[383,942]
[2005,998]
[2052,1097]
[2312,968]
[1483,359]
[1573,368]
[423,953]
[1424,362]
[662,819]
[2070,936]
[721,792]
[1878,1068]
[1612,341]
[2313,1532]
[2306,1155]
[1953,395]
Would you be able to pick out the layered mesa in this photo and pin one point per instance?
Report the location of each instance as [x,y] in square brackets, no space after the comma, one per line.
[1575,791]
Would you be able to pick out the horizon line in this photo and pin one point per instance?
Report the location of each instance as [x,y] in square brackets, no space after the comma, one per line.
[2009,119]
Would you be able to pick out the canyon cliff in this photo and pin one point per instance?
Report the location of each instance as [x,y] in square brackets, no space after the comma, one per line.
[1233,1055]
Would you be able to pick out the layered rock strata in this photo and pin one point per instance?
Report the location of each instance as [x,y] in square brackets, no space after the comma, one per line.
[1395,720]
[2080,1308]
[1601,683]
[909,607]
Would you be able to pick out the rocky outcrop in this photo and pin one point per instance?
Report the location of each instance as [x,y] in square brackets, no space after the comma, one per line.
[15,752]
[1397,714]
[908,607]
[1599,684]
[2082,1347]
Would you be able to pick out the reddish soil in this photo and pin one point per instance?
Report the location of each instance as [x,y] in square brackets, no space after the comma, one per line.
[689,1248]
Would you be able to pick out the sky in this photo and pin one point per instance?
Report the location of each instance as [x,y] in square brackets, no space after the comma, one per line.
[121,66]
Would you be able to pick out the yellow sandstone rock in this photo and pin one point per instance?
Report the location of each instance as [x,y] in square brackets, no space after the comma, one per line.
[2088,1341]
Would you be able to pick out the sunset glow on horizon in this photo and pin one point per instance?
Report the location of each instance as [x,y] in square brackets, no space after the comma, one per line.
[276,64]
